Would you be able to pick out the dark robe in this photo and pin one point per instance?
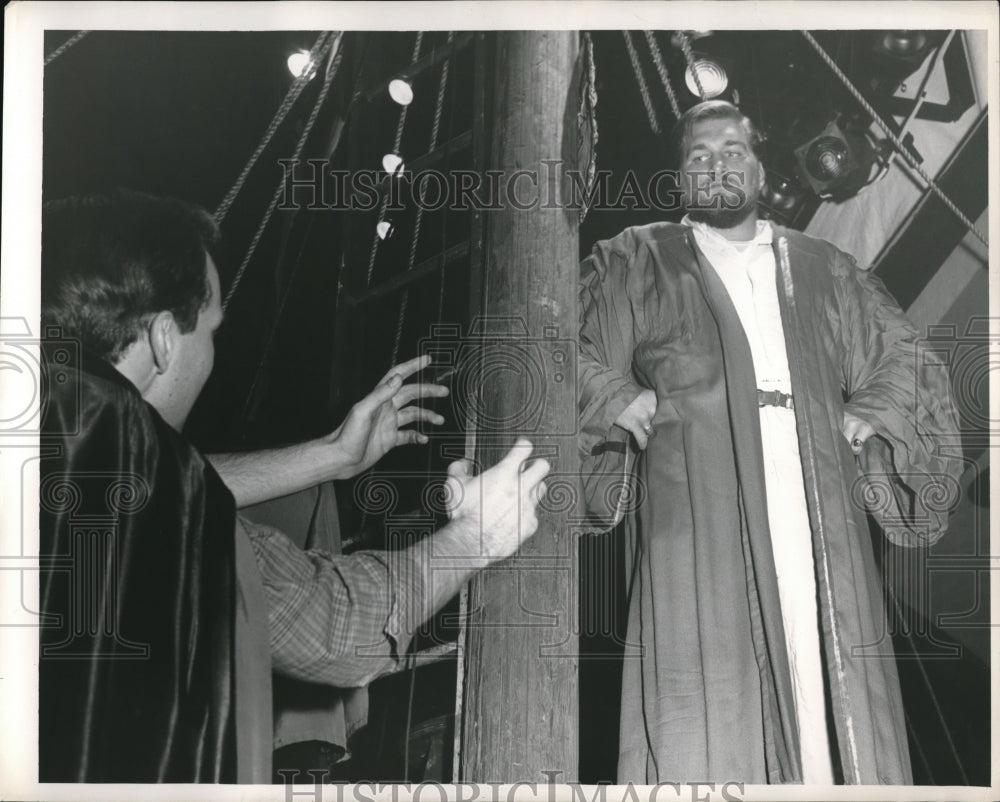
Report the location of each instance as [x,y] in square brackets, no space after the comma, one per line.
[707,694]
[137,592]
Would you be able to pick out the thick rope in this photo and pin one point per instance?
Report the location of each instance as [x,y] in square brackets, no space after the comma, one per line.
[420,206]
[279,189]
[396,144]
[661,69]
[689,58]
[641,80]
[893,138]
[76,37]
[316,55]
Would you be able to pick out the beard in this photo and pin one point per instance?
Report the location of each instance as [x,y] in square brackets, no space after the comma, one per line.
[719,210]
[717,217]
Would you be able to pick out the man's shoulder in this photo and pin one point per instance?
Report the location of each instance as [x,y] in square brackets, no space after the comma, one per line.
[838,261]
[93,402]
[633,238]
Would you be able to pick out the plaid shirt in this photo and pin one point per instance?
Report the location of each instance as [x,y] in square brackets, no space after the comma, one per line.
[337,619]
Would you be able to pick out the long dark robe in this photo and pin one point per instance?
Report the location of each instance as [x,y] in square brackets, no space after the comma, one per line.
[707,694]
[136,674]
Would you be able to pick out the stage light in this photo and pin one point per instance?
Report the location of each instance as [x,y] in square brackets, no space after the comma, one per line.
[710,74]
[401,91]
[780,194]
[836,163]
[906,45]
[392,164]
[299,62]
[385,229]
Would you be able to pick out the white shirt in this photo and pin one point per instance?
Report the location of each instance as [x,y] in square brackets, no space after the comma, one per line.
[748,272]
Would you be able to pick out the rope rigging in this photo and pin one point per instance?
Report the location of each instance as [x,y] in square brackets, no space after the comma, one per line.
[685,44]
[435,129]
[74,39]
[641,81]
[901,149]
[279,189]
[397,142]
[661,69]
[318,52]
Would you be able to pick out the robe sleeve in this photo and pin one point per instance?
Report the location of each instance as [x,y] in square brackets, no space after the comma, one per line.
[605,386]
[898,385]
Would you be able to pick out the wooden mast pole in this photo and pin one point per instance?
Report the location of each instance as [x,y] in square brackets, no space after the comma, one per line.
[521,719]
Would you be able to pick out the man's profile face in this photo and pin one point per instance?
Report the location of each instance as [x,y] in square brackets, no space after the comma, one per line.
[196,351]
[721,176]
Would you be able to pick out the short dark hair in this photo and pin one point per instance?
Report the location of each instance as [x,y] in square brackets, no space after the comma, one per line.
[713,110]
[110,262]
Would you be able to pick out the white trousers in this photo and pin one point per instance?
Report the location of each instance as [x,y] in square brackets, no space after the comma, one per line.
[791,542]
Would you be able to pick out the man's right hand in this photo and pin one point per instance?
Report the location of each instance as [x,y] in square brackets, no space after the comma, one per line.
[637,417]
[498,506]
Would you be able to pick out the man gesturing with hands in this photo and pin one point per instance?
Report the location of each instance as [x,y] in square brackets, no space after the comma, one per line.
[210,601]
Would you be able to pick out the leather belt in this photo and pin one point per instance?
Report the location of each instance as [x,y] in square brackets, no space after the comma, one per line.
[774,398]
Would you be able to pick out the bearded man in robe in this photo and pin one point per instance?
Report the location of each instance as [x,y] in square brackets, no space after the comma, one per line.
[761,390]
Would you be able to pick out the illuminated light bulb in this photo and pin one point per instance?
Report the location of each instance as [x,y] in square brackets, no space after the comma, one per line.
[384,229]
[299,62]
[713,78]
[401,91]
[392,164]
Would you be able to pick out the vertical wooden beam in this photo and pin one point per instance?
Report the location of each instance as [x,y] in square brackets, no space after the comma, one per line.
[521,698]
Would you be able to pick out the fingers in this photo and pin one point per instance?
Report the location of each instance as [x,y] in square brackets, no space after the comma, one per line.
[410,392]
[409,415]
[410,437]
[460,468]
[518,454]
[383,392]
[408,368]
[857,432]
[538,491]
[640,435]
[533,474]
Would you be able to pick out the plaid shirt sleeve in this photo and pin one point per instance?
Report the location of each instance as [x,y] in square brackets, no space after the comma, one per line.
[337,619]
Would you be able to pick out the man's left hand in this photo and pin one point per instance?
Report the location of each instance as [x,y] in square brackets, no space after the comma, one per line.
[374,426]
[856,431]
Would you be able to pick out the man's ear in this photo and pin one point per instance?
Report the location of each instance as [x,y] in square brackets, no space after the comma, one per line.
[762,181]
[163,334]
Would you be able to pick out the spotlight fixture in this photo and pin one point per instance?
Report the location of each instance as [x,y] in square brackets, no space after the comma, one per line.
[909,46]
[836,163]
[299,62]
[401,91]
[711,75]
[392,164]
[780,194]
[385,229]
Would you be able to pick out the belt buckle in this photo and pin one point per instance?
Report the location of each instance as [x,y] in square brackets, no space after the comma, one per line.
[774,398]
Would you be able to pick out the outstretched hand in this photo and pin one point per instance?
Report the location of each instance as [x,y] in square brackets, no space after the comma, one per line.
[374,426]
[497,508]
